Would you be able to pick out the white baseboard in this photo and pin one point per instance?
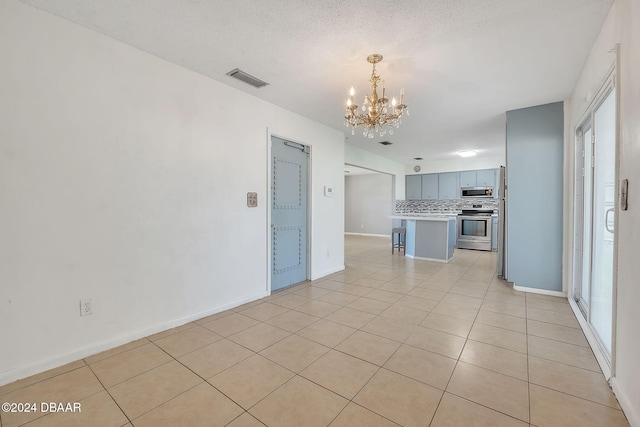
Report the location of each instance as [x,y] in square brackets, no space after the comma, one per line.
[369,235]
[540,291]
[80,353]
[429,259]
[630,409]
[326,273]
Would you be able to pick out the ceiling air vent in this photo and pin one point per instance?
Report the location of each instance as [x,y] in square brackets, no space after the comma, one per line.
[385,142]
[247,78]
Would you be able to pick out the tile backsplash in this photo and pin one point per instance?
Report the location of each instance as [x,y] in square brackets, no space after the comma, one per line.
[443,206]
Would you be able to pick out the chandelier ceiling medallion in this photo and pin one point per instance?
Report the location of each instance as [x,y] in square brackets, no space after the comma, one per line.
[379,115]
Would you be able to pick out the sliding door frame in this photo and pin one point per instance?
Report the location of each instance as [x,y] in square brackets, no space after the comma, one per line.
[609,84]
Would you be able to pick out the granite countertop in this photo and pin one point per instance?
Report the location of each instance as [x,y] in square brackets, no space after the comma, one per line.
[434,214]
[427,217]
[451,213]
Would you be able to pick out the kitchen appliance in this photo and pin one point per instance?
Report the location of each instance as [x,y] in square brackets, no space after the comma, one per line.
[502,221]
[474,229]
[476,192]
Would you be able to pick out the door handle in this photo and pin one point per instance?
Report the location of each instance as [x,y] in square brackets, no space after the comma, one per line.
[606,220]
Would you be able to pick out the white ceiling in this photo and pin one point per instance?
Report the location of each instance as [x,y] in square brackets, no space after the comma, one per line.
[463,62]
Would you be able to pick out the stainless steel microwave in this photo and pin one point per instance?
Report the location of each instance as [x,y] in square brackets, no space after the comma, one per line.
[476,192]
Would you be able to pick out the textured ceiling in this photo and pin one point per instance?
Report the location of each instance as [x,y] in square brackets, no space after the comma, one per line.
[463,62]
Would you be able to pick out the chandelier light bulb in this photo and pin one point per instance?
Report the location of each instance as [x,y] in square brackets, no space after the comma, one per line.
[352,91]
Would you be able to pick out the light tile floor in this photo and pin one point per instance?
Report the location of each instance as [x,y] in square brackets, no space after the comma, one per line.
[389,341]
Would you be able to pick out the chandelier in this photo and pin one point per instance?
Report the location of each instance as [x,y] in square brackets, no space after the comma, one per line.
[379,115]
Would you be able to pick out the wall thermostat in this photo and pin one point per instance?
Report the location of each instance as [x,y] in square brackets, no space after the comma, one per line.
[416,168]
[328,191]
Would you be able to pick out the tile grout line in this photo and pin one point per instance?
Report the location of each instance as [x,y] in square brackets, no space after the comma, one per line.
[456,364]
[402,289]
[110,395]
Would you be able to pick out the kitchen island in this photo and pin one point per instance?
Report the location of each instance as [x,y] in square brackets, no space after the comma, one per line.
[429,237]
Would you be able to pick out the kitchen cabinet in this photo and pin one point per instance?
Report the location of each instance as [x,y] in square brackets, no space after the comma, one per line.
[479,178]
[486,178]
[449,185]
[446,186]
[430,186]
[494,233]
[468,179]
[413,188]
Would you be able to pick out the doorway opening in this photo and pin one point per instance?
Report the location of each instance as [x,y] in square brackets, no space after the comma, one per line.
[369,201]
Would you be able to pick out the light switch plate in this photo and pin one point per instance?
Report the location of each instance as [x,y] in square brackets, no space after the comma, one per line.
[328,191]
[252,199]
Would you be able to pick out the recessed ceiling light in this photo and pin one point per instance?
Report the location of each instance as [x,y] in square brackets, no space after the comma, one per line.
[467,153]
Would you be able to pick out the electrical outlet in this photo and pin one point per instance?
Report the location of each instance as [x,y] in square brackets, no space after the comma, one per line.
[252,199]
[86,307]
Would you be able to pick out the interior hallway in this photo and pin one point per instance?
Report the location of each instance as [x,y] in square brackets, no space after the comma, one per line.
[389,341]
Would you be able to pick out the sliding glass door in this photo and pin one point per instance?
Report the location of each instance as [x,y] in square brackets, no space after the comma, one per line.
[604,185]
[596,217]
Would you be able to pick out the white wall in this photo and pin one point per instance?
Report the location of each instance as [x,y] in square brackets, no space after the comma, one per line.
[123,178]
[368,204]
[622,26]
[358,157]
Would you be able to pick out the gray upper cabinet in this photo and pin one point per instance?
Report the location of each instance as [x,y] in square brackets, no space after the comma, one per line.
[468,179]
[486,177]
[430,186]
[446,186]
[413,189]
[449,185]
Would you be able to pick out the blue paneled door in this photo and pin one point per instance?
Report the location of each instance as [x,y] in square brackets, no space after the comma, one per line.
[288,213]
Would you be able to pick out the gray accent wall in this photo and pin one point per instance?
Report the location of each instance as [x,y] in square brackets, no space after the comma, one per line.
[534,196]
[368,204]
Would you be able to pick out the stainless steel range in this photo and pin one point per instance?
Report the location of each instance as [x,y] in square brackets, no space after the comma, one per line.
[474,229]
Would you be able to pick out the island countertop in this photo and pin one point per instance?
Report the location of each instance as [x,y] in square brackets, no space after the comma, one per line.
[429,238]
[428,217]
